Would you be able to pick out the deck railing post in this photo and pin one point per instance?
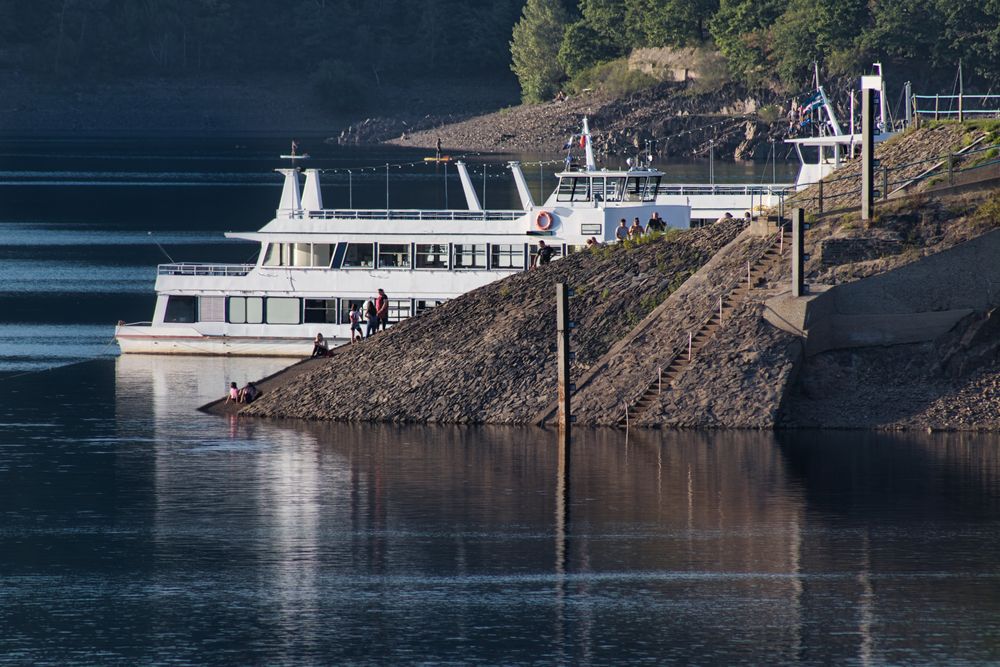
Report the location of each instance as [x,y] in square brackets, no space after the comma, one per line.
[820,205]
[885,182]
[937,106]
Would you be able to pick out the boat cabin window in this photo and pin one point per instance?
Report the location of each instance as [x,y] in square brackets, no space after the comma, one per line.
[507,256]
[399,309]
[301,255]
[423,305]
[609,188]
[359,255]
[283,310]
[573,188]
[212,309]
[345,310]
[432,256]
[469,256]
[320,311]
[393,255]
[180,309]
[246,309]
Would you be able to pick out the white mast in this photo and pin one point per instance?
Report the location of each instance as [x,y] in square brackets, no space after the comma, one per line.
[312,196]
[522,186]
[291,200]
[591,165]
[470,192]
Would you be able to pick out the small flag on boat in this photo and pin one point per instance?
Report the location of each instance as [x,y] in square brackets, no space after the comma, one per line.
[583,141]
[814,101]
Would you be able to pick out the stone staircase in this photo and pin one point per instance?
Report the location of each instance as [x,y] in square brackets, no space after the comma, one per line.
[687,354]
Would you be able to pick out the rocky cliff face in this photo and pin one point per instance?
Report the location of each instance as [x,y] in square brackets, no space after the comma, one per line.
[489,356]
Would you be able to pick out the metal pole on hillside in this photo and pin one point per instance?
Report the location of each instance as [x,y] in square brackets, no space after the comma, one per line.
[867,154]
[798,256]
[563,327]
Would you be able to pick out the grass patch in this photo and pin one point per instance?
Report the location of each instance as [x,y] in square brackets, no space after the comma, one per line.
[614,78]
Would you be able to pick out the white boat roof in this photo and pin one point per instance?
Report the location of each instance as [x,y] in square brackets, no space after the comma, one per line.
[836,139]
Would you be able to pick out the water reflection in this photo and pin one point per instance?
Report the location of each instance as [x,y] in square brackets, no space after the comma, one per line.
[143,531]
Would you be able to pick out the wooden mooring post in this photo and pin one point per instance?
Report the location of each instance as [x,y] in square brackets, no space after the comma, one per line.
[563,327]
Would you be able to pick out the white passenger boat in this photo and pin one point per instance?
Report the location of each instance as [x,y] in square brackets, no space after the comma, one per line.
[314,263]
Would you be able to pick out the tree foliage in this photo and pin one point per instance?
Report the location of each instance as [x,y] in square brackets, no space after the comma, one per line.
[534,49]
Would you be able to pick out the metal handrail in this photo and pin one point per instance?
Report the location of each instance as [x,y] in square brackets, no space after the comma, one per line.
[400,214]
[736,189]
[198,269]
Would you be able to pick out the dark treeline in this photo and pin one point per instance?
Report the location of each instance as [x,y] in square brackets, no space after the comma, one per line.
[339,46]
[769,43]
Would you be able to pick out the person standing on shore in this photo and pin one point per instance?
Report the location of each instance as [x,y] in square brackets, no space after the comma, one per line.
[635,231]
[621,233]
[382,309]
[544,254]
[655,224]
[372,316]
[355,318]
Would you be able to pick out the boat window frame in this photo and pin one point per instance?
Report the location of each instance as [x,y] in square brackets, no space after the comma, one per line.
[326,310]
[446,253]
[370,266]
[496,252]
[245,300]
[475,254]
[180,301]
[407,257]
[574,193]
[274,301]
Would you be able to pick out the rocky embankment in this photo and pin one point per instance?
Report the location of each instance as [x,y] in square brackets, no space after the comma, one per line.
[489,356]
[683,123]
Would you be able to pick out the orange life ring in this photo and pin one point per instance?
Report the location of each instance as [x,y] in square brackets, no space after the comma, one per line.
[544,220]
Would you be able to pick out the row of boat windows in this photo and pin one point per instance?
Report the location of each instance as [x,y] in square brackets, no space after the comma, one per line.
[280,310]
[441,256]
[608,188]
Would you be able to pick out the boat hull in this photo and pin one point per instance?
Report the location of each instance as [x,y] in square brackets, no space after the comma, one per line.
[182,341]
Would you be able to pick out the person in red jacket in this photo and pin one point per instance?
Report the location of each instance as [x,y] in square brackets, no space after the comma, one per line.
[382,309]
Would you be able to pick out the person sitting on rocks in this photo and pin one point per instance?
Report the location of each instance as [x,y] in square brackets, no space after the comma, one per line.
[233,396]
[249,393]
[592,242]
[320,348]
[635,231]
[724,217]
[621,233]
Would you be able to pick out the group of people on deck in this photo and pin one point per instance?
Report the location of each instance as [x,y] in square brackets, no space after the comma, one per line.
[655,224]
[374,312]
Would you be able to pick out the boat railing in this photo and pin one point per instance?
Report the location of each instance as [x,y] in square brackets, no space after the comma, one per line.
[726,189]
[400,214]
[196,269]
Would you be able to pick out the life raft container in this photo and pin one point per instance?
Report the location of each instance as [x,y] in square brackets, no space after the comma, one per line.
[543,221]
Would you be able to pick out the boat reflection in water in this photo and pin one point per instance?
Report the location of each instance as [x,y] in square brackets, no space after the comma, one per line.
[362,542]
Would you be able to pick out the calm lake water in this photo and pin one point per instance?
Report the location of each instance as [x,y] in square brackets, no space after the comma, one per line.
[135,530]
